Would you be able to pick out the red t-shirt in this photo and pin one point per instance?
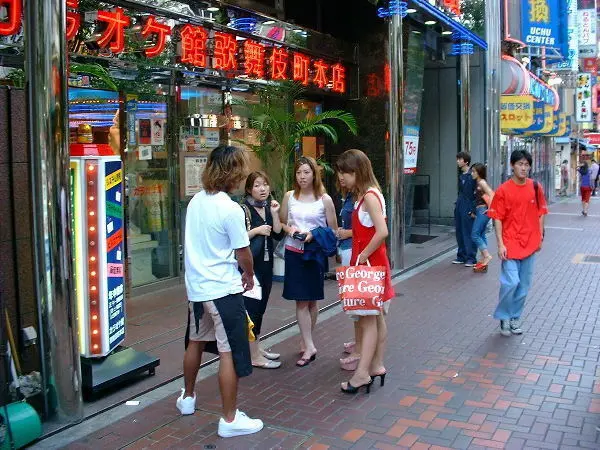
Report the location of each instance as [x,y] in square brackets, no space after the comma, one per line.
[515,206]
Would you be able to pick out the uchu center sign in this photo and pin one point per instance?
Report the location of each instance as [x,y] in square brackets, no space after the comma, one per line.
[540,23]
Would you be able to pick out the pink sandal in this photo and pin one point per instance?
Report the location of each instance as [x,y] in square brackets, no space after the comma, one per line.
[349,347]
[350,363]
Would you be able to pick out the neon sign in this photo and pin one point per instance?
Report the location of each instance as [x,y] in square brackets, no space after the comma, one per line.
[279,64]
[224,52]
[114,33]
[254,55]
[161,31]
[192,49]
[12,24]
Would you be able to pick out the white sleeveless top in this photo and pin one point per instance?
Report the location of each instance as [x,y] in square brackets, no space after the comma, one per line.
[305,217]
[364,216]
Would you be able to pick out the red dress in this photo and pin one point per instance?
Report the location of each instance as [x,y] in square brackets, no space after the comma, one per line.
[361,236]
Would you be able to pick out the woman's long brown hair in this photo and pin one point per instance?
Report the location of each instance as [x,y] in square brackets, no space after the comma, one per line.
[318,188]
[358,163]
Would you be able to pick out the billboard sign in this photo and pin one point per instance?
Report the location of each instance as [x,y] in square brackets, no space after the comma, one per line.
[540,21]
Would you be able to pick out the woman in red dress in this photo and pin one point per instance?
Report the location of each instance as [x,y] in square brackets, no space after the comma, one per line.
[369,232]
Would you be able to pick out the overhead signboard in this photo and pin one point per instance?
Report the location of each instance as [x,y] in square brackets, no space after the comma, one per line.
[516,111]
[540,21]
[587,28]
[570,48]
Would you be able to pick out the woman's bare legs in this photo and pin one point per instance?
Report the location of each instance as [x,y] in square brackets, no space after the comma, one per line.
[304,315]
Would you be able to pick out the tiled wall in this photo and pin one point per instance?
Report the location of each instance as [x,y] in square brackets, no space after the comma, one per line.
[16,252]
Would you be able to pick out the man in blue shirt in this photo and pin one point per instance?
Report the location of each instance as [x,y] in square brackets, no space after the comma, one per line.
[463,212]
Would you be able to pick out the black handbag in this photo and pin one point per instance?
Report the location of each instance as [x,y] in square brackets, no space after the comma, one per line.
[257,243]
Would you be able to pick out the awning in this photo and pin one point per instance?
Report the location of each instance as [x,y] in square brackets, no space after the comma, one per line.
[465,33]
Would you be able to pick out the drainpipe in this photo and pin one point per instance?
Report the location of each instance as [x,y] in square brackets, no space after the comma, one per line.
[492,92]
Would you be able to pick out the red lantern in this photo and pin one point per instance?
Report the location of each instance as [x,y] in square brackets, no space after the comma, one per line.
[301,66]
[254,59]
[161,30]
[279,64]
[224,52]
[114,33]
[12,24]
[193,45]
[320,78]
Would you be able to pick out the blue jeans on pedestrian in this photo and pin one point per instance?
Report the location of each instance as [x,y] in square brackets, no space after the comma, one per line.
[464,227]
[515,280]
[479,226]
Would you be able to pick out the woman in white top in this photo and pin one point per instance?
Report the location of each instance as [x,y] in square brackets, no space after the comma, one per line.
[305,208]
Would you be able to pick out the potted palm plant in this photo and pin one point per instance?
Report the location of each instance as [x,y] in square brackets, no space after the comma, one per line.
[280,132]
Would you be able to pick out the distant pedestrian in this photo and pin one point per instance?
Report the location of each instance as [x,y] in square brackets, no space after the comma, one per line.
[370,231]
[344,234]
[594,176]
[483,197]
[464,212]
[262,222]
[564,178]
[304,210]
[518,210]
[585,187]
[216,241]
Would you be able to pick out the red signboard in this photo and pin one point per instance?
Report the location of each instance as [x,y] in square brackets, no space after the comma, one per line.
[593,137]
[452,5]
[590,65]
[196,47]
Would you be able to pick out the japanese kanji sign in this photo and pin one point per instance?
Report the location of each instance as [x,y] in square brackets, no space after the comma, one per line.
[540,23]
[516,111]
[583,98]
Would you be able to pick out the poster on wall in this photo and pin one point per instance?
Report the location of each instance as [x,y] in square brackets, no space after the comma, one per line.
[411,149]
[145,131]
[115,280]
[145,152]
[194,167]
[540,20]
[583,98]
[158,132]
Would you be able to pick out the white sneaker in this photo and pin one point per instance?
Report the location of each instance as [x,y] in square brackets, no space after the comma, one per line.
[515,326]
[187,405]
[505,328]
[241,425]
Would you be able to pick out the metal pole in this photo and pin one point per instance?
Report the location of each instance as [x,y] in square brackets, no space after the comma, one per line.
[492,92]
[464,103]
[49,154]
[395,166]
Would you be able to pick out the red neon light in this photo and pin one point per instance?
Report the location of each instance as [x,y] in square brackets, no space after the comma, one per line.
[73,19]
[193,45]
[161,30]
[279,64]
[301,65]
[114,33]
[254,59]
[92,264]
[338,78]
[320,78]
[387,78]
[373,85]
[224,52]
[12,24]
[453,5]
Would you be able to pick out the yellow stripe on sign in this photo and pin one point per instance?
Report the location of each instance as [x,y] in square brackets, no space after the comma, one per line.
[113,179]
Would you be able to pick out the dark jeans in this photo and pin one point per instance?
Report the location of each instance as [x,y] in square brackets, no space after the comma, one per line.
[256,308]
[464,227]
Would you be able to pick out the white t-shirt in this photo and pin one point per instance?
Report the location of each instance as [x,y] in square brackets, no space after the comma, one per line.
[363,215]
[215,227]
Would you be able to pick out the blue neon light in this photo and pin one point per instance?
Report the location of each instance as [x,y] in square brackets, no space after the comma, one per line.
[395,8]
[463,48]
[444,19]
[247,24]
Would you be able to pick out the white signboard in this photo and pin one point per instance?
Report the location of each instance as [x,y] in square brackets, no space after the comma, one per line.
[588,38]
[411,149]
[583,98]
[194,167]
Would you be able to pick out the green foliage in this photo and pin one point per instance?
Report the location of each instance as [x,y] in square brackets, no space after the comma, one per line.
[101,77]
[473,16]
[280,131]
[17,77]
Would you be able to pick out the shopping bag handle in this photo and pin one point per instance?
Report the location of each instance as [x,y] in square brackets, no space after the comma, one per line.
[358,257]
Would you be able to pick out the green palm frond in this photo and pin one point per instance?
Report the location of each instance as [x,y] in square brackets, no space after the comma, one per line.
[96,70]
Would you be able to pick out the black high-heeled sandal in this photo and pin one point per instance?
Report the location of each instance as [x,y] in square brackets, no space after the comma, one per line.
[381,378]
[354,389]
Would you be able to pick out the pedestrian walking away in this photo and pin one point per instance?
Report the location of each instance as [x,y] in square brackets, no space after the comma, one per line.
[483,197]
[564,177]
[369,232]
[344,235]
[303,211]
[585,187]
[594,176]
[463,213]
[263,224]
[216,241]
[518,210]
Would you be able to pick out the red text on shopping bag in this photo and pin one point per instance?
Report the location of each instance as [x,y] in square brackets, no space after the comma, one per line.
[361,287]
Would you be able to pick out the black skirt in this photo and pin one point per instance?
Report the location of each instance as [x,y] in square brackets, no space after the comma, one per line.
[304,280]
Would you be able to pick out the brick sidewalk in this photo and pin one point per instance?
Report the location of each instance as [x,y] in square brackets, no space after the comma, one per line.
[453,381]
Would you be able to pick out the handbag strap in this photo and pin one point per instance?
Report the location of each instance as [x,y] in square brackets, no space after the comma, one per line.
[247,215]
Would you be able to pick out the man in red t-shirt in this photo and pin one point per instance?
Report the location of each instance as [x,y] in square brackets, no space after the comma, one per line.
[518,210]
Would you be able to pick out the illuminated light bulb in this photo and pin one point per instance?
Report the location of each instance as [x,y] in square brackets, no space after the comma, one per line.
[92,258]
[94,302]
[91,168]
[92,243]
[95,346]
[92,228]
[94,317]
[95,332]
[93,273]
[92,213]
[91,198]
[430,22]
[93,288]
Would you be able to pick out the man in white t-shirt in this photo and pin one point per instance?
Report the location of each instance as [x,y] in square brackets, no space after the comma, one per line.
[594,169]
[216,241]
